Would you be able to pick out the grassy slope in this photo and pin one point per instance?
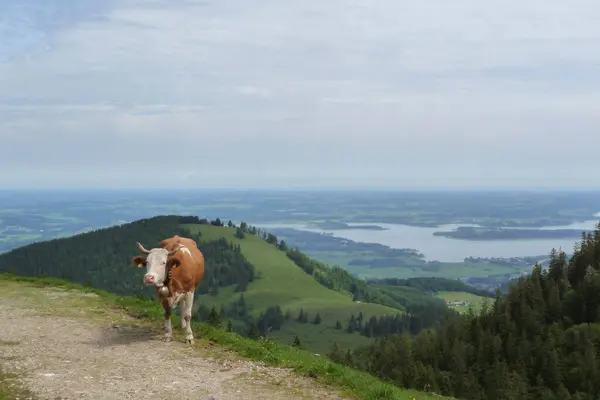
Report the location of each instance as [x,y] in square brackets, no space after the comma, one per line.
[283,283]
[474,300]
[352,382]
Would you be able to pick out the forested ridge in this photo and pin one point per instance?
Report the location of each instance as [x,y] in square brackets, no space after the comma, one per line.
[102,258]
[540,341]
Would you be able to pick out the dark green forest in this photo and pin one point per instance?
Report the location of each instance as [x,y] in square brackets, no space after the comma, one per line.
[102,258]
[540,341]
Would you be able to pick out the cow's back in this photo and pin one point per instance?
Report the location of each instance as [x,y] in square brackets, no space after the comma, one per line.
[191,268]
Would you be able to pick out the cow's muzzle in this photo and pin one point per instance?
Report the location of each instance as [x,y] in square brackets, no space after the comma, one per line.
[149,279]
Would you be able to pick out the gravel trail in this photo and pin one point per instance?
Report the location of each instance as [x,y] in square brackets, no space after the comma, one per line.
[69,345]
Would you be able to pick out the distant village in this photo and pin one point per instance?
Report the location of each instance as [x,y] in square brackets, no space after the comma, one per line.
[458,303]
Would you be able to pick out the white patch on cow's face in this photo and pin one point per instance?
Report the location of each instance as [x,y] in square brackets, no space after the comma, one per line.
[156,266]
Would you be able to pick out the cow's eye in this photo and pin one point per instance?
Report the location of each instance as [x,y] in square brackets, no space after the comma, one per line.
[164,262]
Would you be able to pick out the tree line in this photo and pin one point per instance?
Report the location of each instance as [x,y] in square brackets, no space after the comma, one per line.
[409,323]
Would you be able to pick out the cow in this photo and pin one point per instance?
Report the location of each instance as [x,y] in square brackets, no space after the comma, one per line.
[177,265]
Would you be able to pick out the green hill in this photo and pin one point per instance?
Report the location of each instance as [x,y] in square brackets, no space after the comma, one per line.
[284,284]
[252,281]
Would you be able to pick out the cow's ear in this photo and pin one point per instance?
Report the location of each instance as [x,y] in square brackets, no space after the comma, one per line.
[139,261]
[174,263]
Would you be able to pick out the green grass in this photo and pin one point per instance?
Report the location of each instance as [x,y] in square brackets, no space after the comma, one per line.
[285,284]
[11,388]
[474,301]
[352,382]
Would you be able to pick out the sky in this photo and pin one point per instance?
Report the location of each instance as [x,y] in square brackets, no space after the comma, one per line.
[330,94]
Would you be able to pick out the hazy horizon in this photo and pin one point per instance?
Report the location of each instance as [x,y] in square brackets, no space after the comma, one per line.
[282,189]
[341,189]
[307,95]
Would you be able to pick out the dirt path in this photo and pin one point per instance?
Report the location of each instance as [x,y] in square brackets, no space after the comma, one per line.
[69,345]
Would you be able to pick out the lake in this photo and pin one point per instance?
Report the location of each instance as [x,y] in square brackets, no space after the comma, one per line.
[444,249]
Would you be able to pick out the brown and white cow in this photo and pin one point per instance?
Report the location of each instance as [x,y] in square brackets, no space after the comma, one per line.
[177,264]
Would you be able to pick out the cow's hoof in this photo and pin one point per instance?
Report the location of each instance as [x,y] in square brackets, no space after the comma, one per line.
[167,338]
[189,340]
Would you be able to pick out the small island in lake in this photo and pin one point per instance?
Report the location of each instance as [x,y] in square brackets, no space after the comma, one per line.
[340,226]
[476,233]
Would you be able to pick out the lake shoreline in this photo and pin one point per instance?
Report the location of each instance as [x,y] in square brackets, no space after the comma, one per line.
[445,249]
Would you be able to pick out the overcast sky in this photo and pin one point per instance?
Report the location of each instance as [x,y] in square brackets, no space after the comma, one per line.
[271,93]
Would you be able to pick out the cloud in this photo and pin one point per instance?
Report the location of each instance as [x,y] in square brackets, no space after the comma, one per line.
[315,91]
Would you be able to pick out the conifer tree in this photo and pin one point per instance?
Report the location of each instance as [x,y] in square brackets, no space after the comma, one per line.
[296,342]
[317,319]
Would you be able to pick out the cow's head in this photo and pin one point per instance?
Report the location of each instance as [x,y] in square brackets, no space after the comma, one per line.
[156,261]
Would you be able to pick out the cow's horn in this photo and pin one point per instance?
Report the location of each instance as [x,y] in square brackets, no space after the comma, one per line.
[142,249]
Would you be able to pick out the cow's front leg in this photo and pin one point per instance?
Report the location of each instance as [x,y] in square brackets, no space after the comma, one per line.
[168,328]
[186,314]
[182,308]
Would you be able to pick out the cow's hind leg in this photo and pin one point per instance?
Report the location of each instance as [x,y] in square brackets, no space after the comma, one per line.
[168,328]
[186,316]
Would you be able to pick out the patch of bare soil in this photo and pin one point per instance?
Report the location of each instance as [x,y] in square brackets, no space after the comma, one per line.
[89,353]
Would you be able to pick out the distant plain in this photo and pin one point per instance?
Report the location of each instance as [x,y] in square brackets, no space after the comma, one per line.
[319,222]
